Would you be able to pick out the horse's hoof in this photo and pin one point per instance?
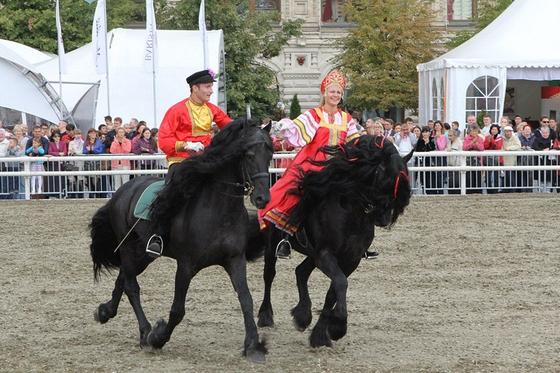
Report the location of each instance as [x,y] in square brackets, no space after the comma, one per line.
[154,337]
[319,338]
[297,326]
[301,318]
[256,356]
[265,320]
[149,349]
[100,316]
[337,329]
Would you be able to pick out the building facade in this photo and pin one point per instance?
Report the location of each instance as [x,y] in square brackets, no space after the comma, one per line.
[306,60]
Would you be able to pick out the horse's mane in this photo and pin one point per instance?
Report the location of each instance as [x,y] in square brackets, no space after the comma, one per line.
[352,170]
[226,148]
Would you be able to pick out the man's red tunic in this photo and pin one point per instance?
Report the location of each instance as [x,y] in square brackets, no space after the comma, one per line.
[177,127]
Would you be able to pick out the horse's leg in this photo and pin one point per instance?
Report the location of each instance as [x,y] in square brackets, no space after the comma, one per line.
[332,323]
[161,332]
[106,311]
[319,335]
[134,262]
[301,313]
[126,282]
[252,349]
[266,314]
[132,290]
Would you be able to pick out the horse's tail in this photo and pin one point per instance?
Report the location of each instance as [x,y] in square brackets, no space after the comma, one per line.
[256,246]
[103,243]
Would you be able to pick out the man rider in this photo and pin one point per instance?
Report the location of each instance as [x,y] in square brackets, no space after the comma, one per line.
[186,130]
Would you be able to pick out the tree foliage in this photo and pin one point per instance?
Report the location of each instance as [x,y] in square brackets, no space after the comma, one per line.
[295,108]
[488,11]
[380,55]
[246,37]
[32,22]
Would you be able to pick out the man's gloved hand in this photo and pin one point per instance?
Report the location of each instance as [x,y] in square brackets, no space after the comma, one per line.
[194,146]
[281,125]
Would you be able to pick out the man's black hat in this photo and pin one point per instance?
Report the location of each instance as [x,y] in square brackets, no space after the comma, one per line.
[200,77]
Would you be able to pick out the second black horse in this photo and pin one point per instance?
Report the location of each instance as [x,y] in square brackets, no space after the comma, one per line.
[363,184]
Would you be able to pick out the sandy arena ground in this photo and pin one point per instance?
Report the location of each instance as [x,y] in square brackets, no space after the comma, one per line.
[463,284]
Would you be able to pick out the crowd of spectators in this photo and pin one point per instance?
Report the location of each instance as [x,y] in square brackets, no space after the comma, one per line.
[508,135]
[48,142]
[135,137]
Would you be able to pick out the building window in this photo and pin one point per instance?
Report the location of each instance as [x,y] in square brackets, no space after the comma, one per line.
[461,10]
[266,5]
[332,11]
[483,96]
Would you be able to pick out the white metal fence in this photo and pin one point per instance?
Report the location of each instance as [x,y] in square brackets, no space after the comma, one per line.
[464,172]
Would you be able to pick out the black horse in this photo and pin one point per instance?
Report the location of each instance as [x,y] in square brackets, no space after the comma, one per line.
[364,183]
[201,214]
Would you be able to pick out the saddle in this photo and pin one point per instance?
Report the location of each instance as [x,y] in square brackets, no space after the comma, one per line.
[142,208]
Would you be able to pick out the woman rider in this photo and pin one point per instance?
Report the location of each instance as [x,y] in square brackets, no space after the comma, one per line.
[313,129]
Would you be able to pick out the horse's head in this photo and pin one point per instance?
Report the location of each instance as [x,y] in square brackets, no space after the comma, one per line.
[258,152]
[391,185]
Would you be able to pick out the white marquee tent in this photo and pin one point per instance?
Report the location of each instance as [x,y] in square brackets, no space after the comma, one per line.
[30,78]
[521,45]
[24,89]
[131,91]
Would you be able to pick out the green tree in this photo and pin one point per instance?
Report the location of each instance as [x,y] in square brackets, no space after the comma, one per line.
[246,37]
[295,108]
[32,22]
[488,11]
[380,55]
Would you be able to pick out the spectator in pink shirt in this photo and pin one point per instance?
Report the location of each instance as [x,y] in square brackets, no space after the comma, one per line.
[120,145]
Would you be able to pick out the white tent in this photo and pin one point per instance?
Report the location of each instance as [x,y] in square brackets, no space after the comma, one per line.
[520,46]
[23,87]
[131,91]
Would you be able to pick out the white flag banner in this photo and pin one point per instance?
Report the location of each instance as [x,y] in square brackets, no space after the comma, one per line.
[61,54]
[202,29]
[99,38]
[150,63]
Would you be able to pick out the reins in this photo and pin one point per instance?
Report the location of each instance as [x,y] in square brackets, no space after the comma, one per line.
[247,185]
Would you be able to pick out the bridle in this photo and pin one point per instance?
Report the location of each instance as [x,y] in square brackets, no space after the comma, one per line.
[248,180]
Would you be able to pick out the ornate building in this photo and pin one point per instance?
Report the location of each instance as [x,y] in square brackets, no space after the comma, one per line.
[305,60]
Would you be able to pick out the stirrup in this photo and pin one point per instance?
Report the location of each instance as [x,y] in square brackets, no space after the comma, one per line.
[154,247]
[281,248]
[371,254]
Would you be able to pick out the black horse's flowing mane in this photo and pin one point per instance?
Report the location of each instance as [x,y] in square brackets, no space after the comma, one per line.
[225,150]
[368,170]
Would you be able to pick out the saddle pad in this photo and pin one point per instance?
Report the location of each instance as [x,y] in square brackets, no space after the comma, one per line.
[142,209]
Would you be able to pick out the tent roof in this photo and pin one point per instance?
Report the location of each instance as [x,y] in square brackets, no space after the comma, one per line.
[20,80]
[523,36]
[21,54]
[131,92]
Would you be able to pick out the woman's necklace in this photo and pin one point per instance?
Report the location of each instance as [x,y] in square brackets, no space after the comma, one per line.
[330,114]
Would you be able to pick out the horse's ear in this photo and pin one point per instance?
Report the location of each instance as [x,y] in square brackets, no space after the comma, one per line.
[268,127]
[407,157]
